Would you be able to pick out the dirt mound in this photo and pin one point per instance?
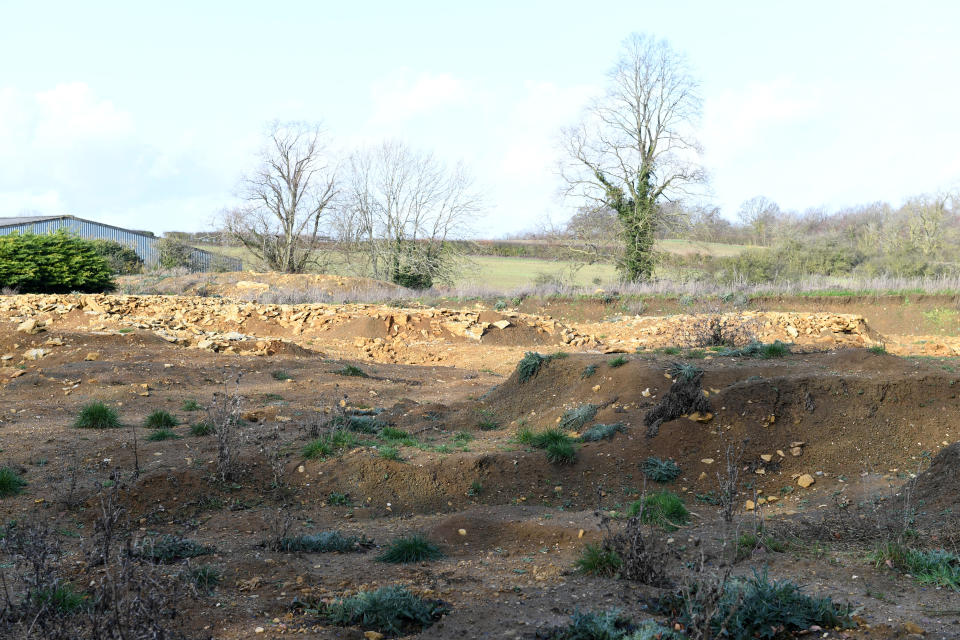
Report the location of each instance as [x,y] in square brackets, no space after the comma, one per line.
[938,488]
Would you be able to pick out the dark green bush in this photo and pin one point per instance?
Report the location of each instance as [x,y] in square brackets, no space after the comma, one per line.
[416,548]
[663,508]
[529,366]
[52,263]
[389,610]
[121,260]
[202,428]
[351,372]
[574,419]
[599,561]
[174,253]
[162,434]
[324,542]
[169,548]
[561,452]
[660,470]
[602,432]
[10,482]
[97,415]
[161,419]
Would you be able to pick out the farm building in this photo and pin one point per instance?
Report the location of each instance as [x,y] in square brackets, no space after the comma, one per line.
[145,245]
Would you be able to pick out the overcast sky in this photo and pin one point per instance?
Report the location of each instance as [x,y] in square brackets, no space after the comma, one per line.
[145,115]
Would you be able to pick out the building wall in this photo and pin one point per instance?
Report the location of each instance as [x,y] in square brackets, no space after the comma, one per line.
[145,246]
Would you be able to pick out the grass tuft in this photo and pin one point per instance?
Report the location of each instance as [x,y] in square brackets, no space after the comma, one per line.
[352,372]
[877,349]
[588,371]
[662,508]
[529,365]
[280,375]
[561,452]
[324,542]
[97,415]
[162,434]
[202,428]
[575,419]
[191,405]
[11,483]
[388,610]
[169,548]
[416,548]
[660,470]
[619,361]
[595,560]
[205,578]
[935,566]
[602,432]
[390,453]
[161,419]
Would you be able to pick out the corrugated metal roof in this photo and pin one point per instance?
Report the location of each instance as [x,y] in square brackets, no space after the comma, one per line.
[6,222]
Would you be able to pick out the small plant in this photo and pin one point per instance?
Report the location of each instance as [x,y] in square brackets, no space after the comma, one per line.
[500,305]
[660,470]
[936,566]
[619,361]
[329,444]
[529,366]
[280,375]
[696,354]
[775,349]
[662,508]
[97,415]
[525,436]
[191,405]
[671,351]
[162,434]
[475,489]
[416,548]
[684,371]
[544,439]
[161,419]
[359,424]
[390,453]
[574,419]
[169,548]
[488,424]
[202,428]
[11,483]
[352,372]
[339,499]
[602,432]
[561,452]
[388,610]
[592,625]
[588,371]
[462,437]
[598,561]
[62,598]
[205,578]
[877,349]
[323,542]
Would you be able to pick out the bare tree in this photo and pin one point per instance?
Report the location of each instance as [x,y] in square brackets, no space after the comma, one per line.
[401,210]
[760,214]
[634,149]
[286,198]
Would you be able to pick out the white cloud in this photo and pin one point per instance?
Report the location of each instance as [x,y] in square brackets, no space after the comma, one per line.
[404,95]
[71,112]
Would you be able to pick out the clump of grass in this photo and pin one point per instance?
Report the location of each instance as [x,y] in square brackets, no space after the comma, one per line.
[202,428]
[323,542]
[671,351]
[190,405]
[757,349]
[877,349]
[588,371]
[529,366]
[660,470]
[598,561]
[592,625]
[390,453]
[62,597]
[169,548]
[205,578]
[329,444]
[389,610]
[935,566]
[696,354]
[488,424]
[97,415]
[561,452]
[662,508]
[280,375]
[462,437]
[684,371]
[351,371]
[416,548]
[543,439]
[161,419]
[619,361]
[11,483]
[602,432]
[339,499]
[360,424]
[475,489]
[162,434]
[525,436]
[574,419]
[753,607]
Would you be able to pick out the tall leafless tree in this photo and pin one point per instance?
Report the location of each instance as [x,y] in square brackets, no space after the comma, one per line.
[634,149]
[760,214]
[401,209]
[286,199]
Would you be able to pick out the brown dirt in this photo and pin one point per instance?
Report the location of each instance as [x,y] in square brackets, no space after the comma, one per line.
[510,522]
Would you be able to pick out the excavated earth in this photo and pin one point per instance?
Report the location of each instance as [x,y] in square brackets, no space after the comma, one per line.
[858,423]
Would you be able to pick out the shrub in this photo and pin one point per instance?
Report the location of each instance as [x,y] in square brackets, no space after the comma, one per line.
[323,542]
[604,625]
[161,419]
[202,428]
[416,548]
[598,561]
[776,349]
[52,263]
[205,578]
[488,424]
[936,566]
[663,508]
[97,415]
[173,254]
[11,483]
[121,260]
[169,548]
[462,437]
[877,349]
[574,419]
[280,375]
[360,424]
[62,598]
[543,439]
[684,371]
[588,371]
[660,470]
[619,361]
[602,432]
[389,610]
[162,434]
[351,372]
[191,405]
[390,453]
[755,608]
[561,452]
[339,499]
[529,366]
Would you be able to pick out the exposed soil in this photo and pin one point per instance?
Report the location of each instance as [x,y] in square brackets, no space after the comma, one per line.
[860,423]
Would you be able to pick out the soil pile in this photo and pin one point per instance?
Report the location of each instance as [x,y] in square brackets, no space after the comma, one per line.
[938,488]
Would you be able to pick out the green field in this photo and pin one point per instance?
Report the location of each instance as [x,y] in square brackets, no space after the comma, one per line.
[502,273]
